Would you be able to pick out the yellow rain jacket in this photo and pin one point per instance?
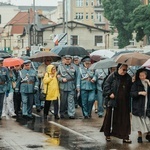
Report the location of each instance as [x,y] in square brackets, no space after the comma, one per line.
[51,84]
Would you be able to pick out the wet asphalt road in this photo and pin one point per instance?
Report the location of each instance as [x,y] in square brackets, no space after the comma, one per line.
[63,134]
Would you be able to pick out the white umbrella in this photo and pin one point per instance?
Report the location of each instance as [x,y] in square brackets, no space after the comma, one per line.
[146,64]
[103,53]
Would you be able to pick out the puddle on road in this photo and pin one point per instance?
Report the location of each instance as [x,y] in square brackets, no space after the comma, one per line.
[59,136]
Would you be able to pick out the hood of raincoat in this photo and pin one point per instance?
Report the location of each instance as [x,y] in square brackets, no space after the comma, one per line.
[49,69]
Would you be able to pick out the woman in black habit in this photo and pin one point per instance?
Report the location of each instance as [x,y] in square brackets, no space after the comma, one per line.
[116,93]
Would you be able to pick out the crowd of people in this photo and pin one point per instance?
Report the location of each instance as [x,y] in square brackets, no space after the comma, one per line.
[72,84]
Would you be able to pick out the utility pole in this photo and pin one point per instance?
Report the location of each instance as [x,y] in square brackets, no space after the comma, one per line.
[64,2]
[29,28]
[34,33]
[67,19]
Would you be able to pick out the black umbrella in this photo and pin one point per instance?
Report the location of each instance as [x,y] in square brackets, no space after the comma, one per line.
[73,51]
[4,54]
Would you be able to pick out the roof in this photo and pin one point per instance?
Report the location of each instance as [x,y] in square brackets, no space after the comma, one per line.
[86,25]
[44,8]
[17,30]
[21,20]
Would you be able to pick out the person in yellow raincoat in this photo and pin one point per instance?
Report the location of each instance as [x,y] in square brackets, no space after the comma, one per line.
[51,89]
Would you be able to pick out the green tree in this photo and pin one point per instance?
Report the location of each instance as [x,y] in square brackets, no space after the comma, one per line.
[119,13]
[141,22]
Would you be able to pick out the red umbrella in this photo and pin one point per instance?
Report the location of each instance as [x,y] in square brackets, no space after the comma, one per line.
[10,62]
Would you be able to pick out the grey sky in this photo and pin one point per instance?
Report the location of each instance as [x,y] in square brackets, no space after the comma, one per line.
[30,2]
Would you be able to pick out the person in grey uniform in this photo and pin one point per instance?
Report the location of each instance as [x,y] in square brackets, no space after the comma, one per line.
[86,86]
[28,82]
[4,81]
[67,77]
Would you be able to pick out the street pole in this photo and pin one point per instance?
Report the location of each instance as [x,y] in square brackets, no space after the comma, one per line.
[67,19]
[34,34]
[28,28]
[64,1]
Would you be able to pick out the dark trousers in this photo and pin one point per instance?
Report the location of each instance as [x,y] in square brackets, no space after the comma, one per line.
[1,102]
[48,104]
[17,102]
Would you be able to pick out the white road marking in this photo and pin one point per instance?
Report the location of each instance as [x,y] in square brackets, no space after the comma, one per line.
[70,130]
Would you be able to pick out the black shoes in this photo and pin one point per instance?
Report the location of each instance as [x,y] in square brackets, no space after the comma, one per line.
[148,137]
[108,139]
[71,117]
[139,140]
[127,141]
[86,117]
[57,117]
[38,110]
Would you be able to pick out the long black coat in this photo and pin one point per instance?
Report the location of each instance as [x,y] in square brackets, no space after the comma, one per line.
[120,118]
[111,85]
[138,101]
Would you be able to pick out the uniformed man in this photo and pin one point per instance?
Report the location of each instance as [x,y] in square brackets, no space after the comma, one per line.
[28,82]
[4,81]
[76,61]
[86,86]
[67,77]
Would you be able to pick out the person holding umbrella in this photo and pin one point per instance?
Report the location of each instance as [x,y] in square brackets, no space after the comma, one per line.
[141,105]
[117,92]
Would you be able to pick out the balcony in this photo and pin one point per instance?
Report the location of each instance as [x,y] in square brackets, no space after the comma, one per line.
[98,22]
[98,8]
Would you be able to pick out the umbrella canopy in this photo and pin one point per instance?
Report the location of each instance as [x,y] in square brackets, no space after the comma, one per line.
[132,59]
[4,54]
[96,58]
[10,62]
[104,64]
[41,56]
[146,64]
[103,53]
[70,50]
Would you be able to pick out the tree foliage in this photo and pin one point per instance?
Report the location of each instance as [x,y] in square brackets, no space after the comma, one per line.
[140,21]
[119,13]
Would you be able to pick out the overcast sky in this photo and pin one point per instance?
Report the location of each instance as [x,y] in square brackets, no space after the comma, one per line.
[30,2]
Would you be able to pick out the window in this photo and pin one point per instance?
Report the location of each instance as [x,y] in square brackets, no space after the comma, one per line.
[79,16]
[79,3]
[74,40]
[98,40]
[87,2]
[132,42]
[92,16]
[0,19]
[92,2]
[87,16]
[99,2]
[99,17]
[115,42]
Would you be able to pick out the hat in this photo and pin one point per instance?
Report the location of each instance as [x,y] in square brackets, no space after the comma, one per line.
[1,59]
[86,58]
[76,57]
[67,56]
[27,62]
